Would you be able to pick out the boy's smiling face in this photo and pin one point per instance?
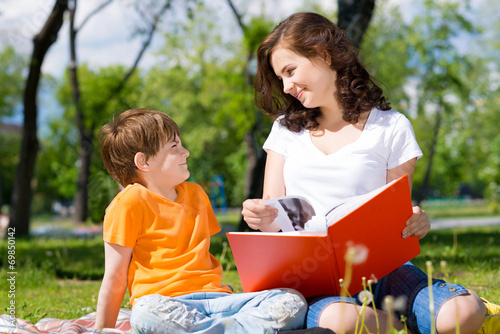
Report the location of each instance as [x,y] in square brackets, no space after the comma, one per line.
[168,167]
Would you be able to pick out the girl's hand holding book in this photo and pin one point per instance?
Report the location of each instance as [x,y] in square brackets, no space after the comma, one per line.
[418,225]
[259,216]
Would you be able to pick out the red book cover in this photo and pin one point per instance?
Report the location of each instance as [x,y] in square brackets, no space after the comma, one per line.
[313,262]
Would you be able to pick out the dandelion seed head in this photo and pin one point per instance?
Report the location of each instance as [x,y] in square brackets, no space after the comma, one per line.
[356,254]
[400,303]
[388,304]
[366,297]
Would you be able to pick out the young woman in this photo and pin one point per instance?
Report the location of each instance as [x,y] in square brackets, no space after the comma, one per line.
[335,136]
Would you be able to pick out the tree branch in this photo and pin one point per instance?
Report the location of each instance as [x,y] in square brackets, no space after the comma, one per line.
[95,11]
[238,16]
[147,42]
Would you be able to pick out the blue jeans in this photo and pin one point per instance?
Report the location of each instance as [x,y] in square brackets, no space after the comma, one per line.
[214,312]
[407,281]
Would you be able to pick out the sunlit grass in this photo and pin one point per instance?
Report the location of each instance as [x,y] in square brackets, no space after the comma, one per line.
[458,211]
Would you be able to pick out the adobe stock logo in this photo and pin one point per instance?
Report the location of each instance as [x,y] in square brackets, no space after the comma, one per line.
[298,273]
[294,276]
[29,26]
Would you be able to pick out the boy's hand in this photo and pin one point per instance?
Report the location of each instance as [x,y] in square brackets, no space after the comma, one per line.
[259,216]
[418,225]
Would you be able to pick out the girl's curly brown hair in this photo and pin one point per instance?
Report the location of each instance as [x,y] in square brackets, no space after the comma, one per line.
[311,35]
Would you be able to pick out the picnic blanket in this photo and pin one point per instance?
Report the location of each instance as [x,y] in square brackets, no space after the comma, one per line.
[83,325]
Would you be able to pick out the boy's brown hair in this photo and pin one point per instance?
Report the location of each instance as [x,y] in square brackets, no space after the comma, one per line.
[133,131]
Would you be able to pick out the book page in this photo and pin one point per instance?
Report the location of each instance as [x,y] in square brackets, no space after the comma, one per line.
[295,213]
[340,210]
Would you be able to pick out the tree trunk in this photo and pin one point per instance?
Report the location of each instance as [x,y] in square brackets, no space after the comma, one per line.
[432,152]
[85,138]
[81,195]
[256,166]
[22,194]
[354,18]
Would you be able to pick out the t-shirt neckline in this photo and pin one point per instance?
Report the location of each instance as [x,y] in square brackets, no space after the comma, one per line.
[368,121]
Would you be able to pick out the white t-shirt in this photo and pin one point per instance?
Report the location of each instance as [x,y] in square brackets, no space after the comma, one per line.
[386,141]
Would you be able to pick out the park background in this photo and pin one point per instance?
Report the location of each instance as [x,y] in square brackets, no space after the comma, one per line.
[195,60]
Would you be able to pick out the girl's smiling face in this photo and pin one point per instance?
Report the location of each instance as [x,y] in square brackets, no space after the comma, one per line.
[313,83]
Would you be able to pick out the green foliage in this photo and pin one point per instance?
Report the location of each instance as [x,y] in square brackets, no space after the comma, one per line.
[204,88]
[58,162]
[102,190]
[257,30]
[11,83]
[98,89]
[11,80]
[56,170]
[385,51]
[426,74]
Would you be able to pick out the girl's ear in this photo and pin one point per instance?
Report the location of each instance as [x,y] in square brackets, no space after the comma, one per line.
[141,162]
[327,58]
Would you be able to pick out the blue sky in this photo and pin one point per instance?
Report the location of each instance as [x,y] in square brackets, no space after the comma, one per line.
[107,38]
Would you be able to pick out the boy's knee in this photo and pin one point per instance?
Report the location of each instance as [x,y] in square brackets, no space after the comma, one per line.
[165,311]
[286,305]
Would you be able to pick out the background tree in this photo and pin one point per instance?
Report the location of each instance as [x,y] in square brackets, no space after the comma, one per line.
[442,75]
[87,129]
[202,85]
[253,35]
[100,102]
[22,193]
[354,18]
[11,79]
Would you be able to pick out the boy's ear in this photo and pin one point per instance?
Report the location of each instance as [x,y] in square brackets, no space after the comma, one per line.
[141,162]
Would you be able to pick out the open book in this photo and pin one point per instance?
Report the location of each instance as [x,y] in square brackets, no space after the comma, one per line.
[296,213]
[313,262]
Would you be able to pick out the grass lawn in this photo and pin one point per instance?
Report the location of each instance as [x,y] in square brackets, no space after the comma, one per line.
[60,277]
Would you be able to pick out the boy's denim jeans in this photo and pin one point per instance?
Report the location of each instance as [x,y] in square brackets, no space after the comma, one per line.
[213,312]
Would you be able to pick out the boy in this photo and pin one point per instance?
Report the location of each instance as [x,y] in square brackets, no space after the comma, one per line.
[157,238]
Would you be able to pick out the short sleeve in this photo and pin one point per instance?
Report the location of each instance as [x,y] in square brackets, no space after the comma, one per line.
[122,223]
[275,141]
[403,144]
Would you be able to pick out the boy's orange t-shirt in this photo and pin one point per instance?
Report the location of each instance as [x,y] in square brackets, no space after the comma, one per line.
[170,240]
